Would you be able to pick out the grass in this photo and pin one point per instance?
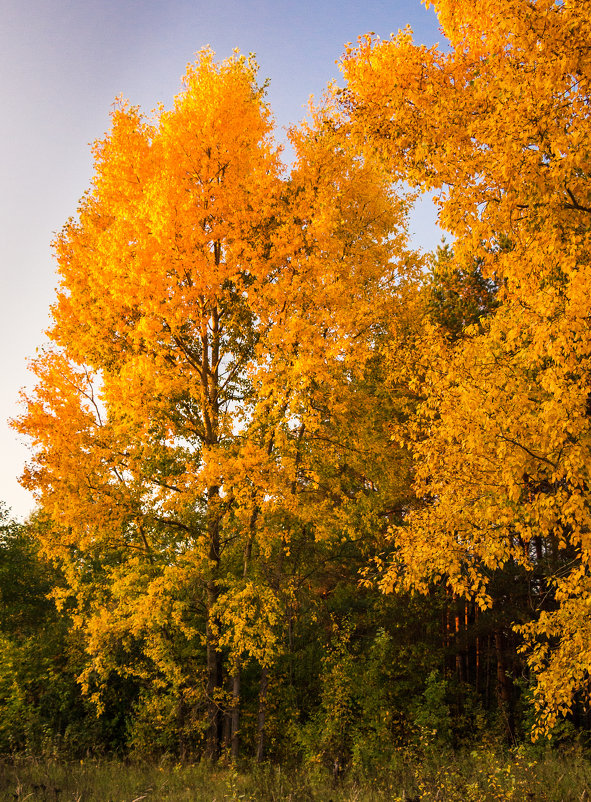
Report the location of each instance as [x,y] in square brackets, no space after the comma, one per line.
[480,775]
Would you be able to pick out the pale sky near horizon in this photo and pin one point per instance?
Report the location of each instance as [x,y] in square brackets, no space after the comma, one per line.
[62,64]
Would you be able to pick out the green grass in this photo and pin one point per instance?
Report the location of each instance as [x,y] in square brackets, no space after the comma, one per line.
[480,775]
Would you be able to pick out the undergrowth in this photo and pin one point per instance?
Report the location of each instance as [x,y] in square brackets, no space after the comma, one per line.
[480,775]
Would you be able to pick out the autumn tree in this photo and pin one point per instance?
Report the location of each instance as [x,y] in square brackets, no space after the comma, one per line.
[215,328]
[318,420]
[499,128]
[153,330]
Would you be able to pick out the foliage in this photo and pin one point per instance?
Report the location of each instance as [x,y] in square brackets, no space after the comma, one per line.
[43,710]
[196,415]
[499,128]
[263,423]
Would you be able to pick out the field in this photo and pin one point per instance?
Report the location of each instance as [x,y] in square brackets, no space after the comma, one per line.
[478,775]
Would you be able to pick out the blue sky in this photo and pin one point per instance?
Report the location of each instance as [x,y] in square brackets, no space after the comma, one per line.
[63,62]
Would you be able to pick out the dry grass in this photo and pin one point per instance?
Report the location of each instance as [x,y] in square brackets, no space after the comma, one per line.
[481,775]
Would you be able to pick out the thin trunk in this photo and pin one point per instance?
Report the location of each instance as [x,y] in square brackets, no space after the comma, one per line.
[458,639]
[467,660]
[504,687]
[449,634]
[264,684]
[214,675]
[227,726]
[235,717]
[478,648]
[214,657]
[488,651]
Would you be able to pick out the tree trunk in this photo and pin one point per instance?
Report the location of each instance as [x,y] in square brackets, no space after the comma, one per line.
[214,657]
[262,713]
[459,641]
[235,717]
[477,680]
[504,687]
[214,678]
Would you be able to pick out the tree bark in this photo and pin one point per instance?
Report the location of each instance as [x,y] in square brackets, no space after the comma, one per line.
[264,684]
[459,641]
[235,717]
[504,687]
[214,658]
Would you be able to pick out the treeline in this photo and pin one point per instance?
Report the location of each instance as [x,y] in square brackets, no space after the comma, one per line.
[359,677]
[302,491]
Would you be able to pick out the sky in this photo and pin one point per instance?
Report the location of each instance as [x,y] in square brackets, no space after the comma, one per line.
[63,63]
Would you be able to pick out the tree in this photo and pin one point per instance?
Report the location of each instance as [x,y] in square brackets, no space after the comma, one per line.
[209,314]
[499,126]
[154,328]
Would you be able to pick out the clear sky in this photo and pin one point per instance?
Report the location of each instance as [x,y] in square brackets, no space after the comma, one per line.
[63,62]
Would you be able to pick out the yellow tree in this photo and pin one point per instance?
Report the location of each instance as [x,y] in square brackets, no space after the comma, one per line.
[317,418]
[210,315]
[499,127]
[153,329]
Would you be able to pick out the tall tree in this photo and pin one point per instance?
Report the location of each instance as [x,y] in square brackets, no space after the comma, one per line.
[153,330]
[212,319]
[499,127]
